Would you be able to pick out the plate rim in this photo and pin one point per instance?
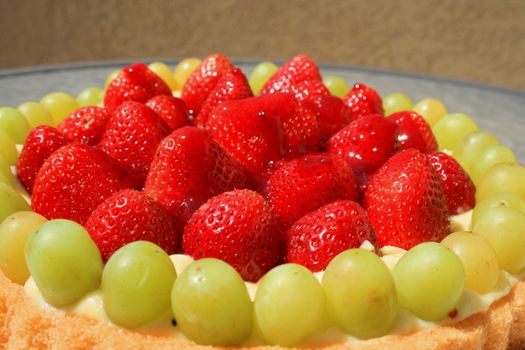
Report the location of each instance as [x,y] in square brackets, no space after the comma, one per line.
[53,68]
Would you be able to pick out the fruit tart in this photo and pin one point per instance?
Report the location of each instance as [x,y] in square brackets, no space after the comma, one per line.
[203,208]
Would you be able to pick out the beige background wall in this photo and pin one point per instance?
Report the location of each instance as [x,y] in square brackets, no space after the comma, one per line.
[475,40]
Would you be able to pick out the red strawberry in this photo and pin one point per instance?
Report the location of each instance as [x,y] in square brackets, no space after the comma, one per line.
[298,69]
[85,125]
[365,143]
[414,132]
[129,216]
[171,109]
[202,81]
[260,130]
[332,115]
[232,86]
[134,83]
[131,137]
[309,90]
[298,186]
[363,100]
[459,189]
[39,145]
[320,235]
[188,169]
[73,181]
[406,203]
[239,228]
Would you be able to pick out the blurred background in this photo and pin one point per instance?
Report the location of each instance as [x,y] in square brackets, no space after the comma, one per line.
[474,40]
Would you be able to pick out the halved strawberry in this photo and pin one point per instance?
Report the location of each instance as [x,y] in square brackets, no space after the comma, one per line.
[134,83]
[239,228]
[363,100]
[188,169]
[73,181]
[202,81]
[298,69]
[414,132]
[301,185]
[41,142]
[233,85]
[459,188]
[171,109]
[406,203]
[320,235]
[129,216]
[131,137]
[85,125]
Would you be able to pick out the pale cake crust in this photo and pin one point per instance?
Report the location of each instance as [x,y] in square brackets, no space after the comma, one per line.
[23,325]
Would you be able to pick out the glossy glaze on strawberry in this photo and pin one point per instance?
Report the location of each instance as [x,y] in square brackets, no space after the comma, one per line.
[129,216]
[406,203]
[39,145]
[414,132]
[320,235]
[260,130]
[239,228]
[301,185]
[134,83]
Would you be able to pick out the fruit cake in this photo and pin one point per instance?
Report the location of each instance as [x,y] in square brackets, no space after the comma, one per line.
[201,208]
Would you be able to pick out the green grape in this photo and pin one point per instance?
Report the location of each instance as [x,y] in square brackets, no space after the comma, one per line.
[136,284]
[497,200]
[469,148]
[396,102]
[336,85]
[360,292]
[490,156]
[184,69]
[211,304]
[163,71]
[110,77]
[8,148]
[479,260]
[502,177]
[289,305]
[430,280]
[14,124]
[59,105]
[5,170]
[260,75]
[14,231]
[64,262]
[450,129]
[431,110]
[504,228]
[91,96]
[35,114]
[4,179]
[11,201]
